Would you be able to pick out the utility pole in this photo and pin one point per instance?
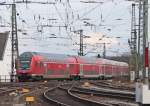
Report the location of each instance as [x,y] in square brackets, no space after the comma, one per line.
[145,42]
[142,88]
[80,32]
[133,44]
[104,50]
[14,42]
[81,42]
[140,35]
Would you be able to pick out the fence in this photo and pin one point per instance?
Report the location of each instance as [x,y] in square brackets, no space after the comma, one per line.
[4,78]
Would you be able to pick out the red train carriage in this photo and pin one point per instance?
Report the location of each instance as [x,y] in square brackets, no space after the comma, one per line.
[35,65]
[117,69]
[59,67]
[88,67]
[41,65]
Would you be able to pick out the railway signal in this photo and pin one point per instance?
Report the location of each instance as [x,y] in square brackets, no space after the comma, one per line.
[142,88]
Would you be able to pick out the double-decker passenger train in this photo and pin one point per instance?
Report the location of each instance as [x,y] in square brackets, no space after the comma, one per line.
[37,66]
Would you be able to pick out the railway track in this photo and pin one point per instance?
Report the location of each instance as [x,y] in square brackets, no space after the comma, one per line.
[12,94]
[8,90]
[7,93]
[107,84]
[10,87]
[122,99]
[108,91]
[64,96]
[36,92]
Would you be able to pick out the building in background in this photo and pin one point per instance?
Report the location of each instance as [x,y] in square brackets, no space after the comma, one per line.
[5,56]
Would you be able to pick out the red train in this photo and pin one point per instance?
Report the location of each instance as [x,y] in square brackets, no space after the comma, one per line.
[33,65]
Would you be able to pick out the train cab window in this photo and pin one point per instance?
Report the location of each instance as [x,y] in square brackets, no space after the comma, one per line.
[25,65]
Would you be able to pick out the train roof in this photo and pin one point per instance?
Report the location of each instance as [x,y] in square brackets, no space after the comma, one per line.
[26,56]
[66,58]
[46,56]
[106,61]
[30,54]
[94,60]
[87,60]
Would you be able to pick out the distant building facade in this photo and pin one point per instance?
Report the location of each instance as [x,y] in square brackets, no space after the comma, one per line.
[5,56]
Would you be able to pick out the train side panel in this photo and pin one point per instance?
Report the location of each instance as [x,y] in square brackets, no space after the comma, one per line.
[70,67]
[89,70]
[55,70]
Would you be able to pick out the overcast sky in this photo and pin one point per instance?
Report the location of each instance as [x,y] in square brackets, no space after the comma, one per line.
[109,18]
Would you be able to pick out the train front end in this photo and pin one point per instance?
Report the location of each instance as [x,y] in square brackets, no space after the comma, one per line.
[23,71]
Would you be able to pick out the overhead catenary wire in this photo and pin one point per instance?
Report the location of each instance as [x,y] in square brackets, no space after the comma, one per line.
[69,33]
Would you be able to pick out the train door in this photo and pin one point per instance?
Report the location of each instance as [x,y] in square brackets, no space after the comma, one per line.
[73,70]
[81,70]
[100,70]
[104,69]
[45,69]
[67,73]
[112,70]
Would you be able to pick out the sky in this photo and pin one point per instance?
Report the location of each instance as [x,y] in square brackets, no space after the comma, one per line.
[41,27]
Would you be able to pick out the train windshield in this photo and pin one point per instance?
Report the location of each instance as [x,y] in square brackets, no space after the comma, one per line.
[25,60]
[24,65]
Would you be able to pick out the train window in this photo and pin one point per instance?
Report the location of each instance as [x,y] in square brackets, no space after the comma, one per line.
[25,64]
[61,71]
[49,72]
[72,65]
[90,72]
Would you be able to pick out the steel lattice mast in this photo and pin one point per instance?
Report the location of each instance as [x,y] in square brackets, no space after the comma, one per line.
[14,42]
[81,43]
[133,42]
[140,35]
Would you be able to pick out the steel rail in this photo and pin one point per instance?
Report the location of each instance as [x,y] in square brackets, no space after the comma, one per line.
[107,85]
[91,102]
[45,94]
[107,93]
[74,97]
